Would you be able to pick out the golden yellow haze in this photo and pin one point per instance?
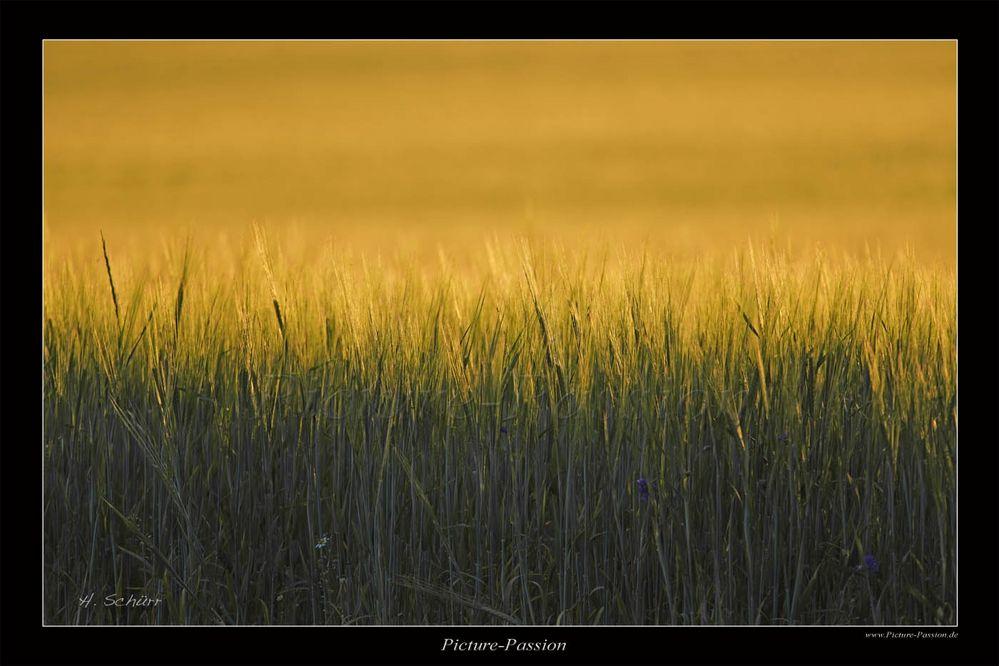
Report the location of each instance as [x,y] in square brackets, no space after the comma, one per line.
[685,147]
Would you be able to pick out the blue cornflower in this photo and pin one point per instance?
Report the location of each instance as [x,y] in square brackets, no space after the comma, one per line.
[643,490]
[871,563]
[504,430]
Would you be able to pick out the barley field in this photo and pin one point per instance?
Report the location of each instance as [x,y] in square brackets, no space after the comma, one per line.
[499,333]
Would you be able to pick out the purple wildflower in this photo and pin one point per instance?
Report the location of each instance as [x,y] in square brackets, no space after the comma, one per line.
[643,490]
[504,430]
[871,563]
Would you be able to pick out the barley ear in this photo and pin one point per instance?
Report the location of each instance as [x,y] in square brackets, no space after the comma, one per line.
[114,293]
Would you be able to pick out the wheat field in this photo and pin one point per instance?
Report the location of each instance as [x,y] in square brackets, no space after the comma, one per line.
[499,333]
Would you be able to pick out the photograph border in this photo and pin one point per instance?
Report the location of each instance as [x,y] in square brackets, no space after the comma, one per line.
[967,25]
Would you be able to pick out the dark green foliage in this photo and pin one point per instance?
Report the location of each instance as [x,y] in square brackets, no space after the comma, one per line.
[401,456]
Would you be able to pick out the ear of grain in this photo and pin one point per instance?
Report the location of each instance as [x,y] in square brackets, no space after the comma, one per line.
[179,307]
[107,265]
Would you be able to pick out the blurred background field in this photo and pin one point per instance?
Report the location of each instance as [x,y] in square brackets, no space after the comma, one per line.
[682,147]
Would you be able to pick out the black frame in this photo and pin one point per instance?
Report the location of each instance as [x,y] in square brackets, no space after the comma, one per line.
[24,26]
